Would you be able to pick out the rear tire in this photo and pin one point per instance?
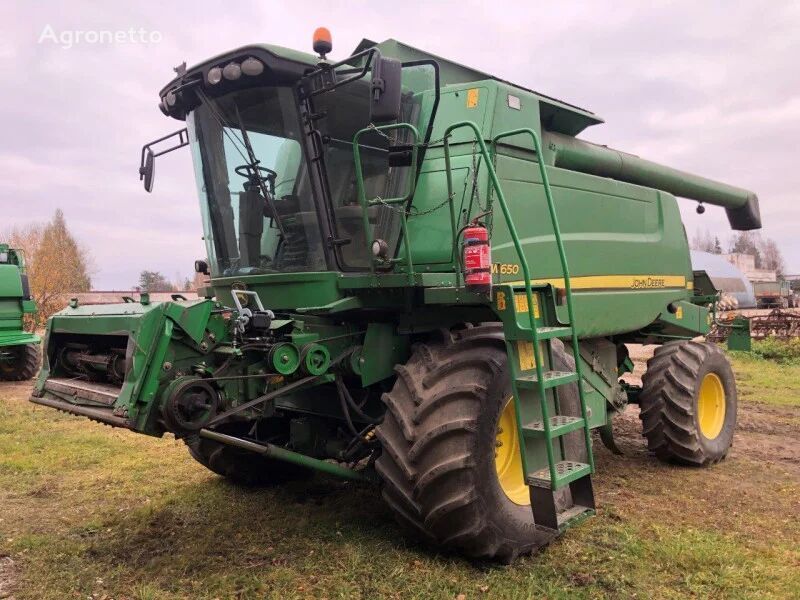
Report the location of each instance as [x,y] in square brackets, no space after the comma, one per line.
[688,403]
[23,365]
[438,438]
[242,466]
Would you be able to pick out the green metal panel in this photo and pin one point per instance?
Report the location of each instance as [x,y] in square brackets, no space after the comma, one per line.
[17,338]
[10,282]
[464,102]
[739,336]
[431,239]
[191,316]
[283,290]
[383,349]
[514,109]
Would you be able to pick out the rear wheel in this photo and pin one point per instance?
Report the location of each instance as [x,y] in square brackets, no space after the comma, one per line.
[19,363]
[688,403]
[450,465]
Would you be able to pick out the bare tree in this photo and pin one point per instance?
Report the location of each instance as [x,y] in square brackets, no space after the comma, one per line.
[703,241]
[771,257]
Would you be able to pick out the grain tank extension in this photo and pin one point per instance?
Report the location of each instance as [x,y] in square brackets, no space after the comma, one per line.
[419,277]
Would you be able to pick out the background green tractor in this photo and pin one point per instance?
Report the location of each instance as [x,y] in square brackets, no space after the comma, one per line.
[419,276]
[19,352]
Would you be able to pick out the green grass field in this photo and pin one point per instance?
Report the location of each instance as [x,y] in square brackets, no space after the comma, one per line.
[92,512]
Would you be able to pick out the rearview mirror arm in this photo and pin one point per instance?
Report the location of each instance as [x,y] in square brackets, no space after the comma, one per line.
[183,140]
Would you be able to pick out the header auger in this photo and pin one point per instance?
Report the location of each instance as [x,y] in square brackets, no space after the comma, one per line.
[418,275]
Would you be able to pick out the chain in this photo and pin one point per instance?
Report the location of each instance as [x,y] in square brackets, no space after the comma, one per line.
[417,213]
[413,212]
[373,128]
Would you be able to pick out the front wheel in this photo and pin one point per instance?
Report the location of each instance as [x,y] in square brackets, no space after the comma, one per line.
[19,363]
[450,461]
[688,403]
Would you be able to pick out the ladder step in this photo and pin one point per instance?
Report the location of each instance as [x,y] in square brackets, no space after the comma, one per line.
[559,425]
[551,379]
[567,471]
[573,516]
[549,333]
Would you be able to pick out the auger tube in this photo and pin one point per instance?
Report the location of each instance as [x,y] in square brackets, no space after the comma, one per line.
[578,155]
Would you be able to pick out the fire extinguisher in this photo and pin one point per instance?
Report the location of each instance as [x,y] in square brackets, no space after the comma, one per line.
[477,259]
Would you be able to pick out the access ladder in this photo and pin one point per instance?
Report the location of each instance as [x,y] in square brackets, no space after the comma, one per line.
[530,326]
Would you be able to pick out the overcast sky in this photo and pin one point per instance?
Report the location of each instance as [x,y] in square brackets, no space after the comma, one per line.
[712,87]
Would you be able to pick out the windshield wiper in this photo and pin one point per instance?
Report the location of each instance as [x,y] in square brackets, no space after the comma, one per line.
[257,175]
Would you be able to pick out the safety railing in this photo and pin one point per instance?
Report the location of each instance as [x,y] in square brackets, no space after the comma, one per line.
[562,255]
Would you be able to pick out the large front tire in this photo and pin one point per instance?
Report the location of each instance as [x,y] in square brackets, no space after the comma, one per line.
[19,363]
[688,403]
[438,466]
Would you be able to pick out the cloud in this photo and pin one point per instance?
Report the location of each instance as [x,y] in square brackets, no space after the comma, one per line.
[706,87]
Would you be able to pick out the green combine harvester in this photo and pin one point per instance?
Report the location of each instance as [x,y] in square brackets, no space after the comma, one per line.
[19,352]
[419,276]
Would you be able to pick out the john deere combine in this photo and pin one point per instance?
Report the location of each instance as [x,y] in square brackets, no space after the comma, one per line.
[19,354]
[418,275]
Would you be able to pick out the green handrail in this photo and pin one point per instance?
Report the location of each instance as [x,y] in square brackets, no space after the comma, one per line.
[528,291]
[365,204]
[565,269]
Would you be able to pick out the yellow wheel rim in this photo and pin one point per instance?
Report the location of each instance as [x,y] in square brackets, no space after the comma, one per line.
[711,406]
[507,458]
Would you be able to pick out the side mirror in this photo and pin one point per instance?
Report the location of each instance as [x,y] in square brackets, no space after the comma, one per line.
[386,90]
[147,170]
[147,160]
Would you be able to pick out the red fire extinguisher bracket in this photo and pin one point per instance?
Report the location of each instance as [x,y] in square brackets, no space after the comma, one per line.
[477,259]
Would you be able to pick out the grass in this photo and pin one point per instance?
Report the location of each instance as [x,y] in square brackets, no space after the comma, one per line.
[91,512]
[770,373]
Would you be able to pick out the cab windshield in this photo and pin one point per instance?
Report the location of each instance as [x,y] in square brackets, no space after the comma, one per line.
[256,202]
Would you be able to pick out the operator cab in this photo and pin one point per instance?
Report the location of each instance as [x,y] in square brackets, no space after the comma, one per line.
[271,132]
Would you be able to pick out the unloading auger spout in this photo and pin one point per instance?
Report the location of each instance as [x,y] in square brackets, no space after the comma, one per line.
[578,155]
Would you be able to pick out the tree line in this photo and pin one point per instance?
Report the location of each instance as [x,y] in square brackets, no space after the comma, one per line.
[765,250]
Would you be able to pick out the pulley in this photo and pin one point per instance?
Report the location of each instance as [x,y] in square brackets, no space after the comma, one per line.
[189,404]
[314,359]
[284,358]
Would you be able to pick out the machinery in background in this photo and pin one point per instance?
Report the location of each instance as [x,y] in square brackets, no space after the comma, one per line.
[19,350]
[774,294]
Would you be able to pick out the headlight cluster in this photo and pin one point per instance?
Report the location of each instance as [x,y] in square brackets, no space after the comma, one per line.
[234,70]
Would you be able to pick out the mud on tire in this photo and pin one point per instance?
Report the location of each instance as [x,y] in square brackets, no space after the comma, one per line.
[23,365]
[669,403]
[438,439]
